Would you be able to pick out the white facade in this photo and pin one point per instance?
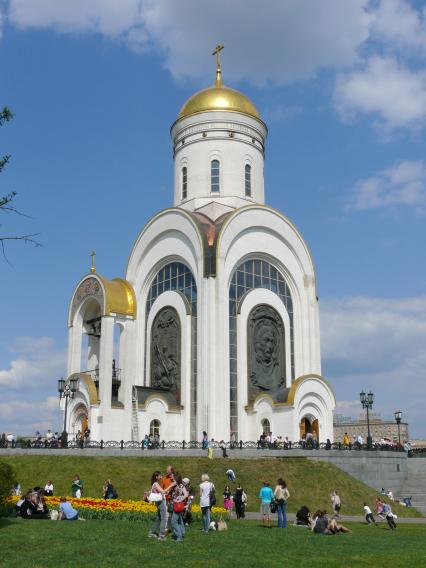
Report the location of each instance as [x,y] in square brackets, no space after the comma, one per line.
[219,223]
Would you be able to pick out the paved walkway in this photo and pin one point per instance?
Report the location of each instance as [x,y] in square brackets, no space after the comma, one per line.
[352,518]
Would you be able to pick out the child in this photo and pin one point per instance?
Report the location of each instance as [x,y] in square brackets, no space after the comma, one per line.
[368,515]
[390,517]
[228,502]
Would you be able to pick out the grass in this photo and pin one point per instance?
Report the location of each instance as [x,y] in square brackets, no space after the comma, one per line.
[246,543]
[310,483]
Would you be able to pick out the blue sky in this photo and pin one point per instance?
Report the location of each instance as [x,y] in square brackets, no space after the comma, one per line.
[95,86]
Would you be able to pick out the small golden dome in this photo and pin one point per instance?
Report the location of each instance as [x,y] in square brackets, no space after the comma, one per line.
[218,97]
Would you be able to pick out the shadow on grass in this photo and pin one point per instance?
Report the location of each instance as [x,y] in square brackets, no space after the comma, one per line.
[5,521]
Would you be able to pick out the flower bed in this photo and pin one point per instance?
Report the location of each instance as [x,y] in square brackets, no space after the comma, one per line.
[115,509]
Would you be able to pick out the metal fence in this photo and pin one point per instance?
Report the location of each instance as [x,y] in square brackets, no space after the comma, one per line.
[195,445]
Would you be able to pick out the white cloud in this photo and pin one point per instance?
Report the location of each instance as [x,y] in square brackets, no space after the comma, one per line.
[378,344]
[39,364]
[28,400]
[25,417]
[108,17]
[402,184]
[274,41]
[384,88]
[399,23]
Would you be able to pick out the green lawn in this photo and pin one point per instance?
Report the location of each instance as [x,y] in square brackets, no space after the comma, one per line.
[246,543]
[310,483]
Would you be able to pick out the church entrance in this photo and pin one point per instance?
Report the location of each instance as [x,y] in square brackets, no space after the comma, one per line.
[81,423]
[309,426]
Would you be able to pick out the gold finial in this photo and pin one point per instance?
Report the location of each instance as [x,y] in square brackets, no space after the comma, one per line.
[216,52]
[92,267]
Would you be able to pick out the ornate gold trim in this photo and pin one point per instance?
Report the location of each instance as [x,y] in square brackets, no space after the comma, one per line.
[170,408]
[91,387]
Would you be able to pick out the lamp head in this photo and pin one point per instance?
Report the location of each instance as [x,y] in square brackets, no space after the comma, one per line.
[61,386]
[398,416]
[370,398]
[362,397]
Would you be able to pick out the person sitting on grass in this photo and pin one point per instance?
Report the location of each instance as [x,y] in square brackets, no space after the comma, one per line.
[322,525]
[48,488]
[266,495]
[67,511]
[369,515]
[33,507]
[303,517]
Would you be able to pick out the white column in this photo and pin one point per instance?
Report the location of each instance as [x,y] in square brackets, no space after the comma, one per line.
[105,364]
[74,349]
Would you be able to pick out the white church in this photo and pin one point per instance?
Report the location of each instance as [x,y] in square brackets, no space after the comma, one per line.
[216,325]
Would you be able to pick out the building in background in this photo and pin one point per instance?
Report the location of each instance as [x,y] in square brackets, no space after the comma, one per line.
[216,325]
[380,429]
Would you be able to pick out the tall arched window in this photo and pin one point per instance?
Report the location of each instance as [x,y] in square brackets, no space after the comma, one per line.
[247,180]
[184,182]
[266,426]
[154,429]
[215,171]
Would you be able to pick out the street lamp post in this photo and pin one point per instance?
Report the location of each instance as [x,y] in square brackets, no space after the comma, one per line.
[398,417]
[367,403]
[66,391]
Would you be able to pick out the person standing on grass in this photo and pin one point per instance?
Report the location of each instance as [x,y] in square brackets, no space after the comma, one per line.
[228,502]
[390,517]
[158,528]
[167,483]
[336,503]
[281,494]
[77,487]
[240,499]
[179,498]
[368,515]
[207,491]
[266,495]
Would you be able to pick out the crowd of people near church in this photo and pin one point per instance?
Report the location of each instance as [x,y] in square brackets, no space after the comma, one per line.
[174,495]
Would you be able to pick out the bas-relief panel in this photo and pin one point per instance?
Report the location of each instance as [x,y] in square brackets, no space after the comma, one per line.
[166,351]
[265,353]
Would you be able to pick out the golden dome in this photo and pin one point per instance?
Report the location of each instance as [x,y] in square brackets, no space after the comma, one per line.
[218,97]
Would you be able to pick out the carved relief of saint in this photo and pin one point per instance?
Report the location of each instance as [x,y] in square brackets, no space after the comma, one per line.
[165,350]
[266,363]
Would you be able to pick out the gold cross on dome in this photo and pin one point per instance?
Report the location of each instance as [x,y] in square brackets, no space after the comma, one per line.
[92,267]
[216,52]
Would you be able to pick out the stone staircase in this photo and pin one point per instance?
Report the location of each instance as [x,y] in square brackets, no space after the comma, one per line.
[415,483]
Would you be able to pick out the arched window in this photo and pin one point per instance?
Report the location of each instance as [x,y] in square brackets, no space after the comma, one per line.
[184,182]
[215,170]
[247,180]
[266,426]
[154,429]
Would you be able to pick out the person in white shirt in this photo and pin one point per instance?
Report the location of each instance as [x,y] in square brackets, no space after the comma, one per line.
[48,488]
[10,440]
[207,489]
[49,435]
[360,440]
[368,515]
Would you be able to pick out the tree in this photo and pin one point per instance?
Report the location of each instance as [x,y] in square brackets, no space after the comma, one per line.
[7,201]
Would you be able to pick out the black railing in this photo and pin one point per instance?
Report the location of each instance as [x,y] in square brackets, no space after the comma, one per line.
[196,445]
